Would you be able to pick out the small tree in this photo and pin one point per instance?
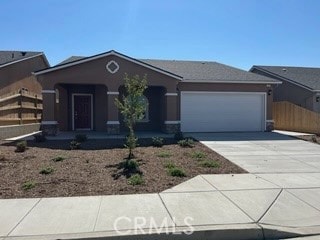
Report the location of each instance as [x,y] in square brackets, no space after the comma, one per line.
[132,107]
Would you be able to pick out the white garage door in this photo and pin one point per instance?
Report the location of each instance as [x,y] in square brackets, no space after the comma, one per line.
[222,111]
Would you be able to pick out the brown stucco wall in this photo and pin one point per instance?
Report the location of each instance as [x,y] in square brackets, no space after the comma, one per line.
[230,87]
[94,72]
[18,75]
[76,79]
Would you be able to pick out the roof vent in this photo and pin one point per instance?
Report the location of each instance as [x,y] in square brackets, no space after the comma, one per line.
[12,55]
[23,53]
[284,69]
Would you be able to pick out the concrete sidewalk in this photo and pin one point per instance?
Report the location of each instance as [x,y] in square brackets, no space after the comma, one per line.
[243,206]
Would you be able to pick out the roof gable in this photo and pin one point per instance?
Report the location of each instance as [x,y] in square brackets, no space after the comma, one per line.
[75,60]
[307,77]
[10,57]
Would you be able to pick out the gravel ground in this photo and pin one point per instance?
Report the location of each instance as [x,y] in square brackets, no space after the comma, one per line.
[94,170]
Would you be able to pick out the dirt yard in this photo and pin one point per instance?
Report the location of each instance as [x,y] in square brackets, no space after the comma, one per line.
[51,169]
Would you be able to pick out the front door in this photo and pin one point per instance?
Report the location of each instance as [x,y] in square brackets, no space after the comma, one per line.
[82,112]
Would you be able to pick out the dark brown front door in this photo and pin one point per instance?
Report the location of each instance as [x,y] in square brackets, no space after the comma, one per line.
[82,111]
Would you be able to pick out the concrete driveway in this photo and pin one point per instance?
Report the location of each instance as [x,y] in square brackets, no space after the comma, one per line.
[265,152]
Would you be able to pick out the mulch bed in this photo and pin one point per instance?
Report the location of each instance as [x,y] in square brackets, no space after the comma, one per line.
[93,169]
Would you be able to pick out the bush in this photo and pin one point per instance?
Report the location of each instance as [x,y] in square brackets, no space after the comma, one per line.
[198,155]
[135,179]
[46,170]
[209,163]
[188,142]
[75,145]
[169,165]
[157,141]
[131,165]
[178,136]
[2,157]
[164,154]
[81,138]
[58,159]
[176,172]
[40,138]
[28,185]
[21,146]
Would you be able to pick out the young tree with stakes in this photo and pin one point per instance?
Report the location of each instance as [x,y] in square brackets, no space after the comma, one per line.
[132,107]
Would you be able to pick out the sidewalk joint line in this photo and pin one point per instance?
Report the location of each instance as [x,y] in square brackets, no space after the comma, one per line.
[95,222]
[24,217]
[273,202]
[167,210]
[232,202]
[288,191]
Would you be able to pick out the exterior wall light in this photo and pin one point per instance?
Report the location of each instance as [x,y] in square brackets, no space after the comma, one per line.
[318,99]
[269,92]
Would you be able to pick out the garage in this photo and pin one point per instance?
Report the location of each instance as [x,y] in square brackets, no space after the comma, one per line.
[222,111]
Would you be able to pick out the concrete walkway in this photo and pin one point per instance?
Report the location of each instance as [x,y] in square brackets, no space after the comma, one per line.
[265,152]
[277,200]
[242,206]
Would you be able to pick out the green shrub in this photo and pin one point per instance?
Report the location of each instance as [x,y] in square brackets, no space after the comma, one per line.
[198,155]
[21,146]
[176,172]
[40,138]
[157,141]
[178,136]
[46,170]
[58,159]
[81,138]
[131,165]
[188,142]
[75,145]
[164,154]
[135,179]
[169,165]
[28,185]
[209,163]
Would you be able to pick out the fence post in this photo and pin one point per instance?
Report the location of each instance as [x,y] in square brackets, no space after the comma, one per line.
[20,108]
[36,106]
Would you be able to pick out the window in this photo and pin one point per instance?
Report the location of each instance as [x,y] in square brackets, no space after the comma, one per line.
[144,99]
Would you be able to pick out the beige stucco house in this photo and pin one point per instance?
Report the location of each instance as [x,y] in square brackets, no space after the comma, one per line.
[191,96]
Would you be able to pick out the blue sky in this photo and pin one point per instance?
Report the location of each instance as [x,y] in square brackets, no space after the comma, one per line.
[236,32]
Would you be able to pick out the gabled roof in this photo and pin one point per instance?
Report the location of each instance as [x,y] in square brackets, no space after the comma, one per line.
[307,77]
[75,60]
[204,71]
[10,57]
[189,71]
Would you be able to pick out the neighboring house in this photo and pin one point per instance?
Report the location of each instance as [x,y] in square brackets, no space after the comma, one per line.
[194,96]
[16,69]
[300,85]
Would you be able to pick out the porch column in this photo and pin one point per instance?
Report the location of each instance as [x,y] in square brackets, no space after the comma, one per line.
[49,125]
[113,124]
[172,118]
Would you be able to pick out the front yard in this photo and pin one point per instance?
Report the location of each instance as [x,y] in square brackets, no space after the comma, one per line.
[50,169]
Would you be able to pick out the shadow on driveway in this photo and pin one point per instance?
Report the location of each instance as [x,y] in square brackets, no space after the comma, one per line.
[240,136]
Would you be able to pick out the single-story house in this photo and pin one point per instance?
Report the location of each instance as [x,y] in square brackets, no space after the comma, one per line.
[300,85]
[16,69]
[191,96]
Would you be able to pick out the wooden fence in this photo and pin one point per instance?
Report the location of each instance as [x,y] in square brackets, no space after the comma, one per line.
[288,116]
[20,107]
